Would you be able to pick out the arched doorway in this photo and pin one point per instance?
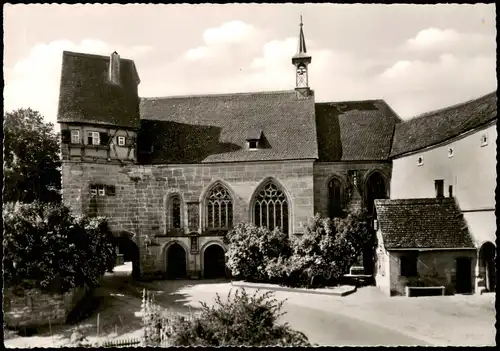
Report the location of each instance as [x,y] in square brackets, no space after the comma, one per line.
[487,255]
[335,198]
[375,189]
[128,248]
[214,262]
[176,262]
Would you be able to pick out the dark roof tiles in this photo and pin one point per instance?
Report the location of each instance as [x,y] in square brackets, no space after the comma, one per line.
[87,96]
[214,128]
[355,130]
[422,223]
[437,126]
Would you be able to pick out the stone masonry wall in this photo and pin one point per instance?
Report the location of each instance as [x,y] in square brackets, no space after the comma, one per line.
[325,171]
[36,308]
[139,205]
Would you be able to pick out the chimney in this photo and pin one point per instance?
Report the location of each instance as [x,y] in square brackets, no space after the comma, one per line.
[114,68]
[439,186]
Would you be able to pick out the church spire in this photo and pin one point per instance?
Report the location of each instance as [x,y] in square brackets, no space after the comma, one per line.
[302,40]
[301,60]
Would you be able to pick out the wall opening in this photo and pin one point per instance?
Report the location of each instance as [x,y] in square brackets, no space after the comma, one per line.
[176,262]
[487,255]
[214,262]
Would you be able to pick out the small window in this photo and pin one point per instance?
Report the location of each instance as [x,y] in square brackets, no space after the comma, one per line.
[75,136]
[450,190]
[439,185]
[420,160]
[176,212]
[93,190]
[450,152]
[101,190]
[253,144]
[93,138]
[409,265]
[484,139]
[110,190]
[121,141]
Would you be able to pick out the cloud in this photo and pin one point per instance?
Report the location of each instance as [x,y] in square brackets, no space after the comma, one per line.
[34,80]
[433,41]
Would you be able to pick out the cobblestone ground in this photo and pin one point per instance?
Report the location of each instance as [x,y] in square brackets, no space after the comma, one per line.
[366,317]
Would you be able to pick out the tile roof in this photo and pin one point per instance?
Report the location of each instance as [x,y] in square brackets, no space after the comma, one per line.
[214,128]
[86,96]
[422,223]
[437,126]
[355,130]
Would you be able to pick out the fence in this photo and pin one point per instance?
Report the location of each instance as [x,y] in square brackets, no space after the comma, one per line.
[122,343]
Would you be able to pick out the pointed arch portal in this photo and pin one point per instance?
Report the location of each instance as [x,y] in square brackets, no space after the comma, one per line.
[214,262]
[176,262]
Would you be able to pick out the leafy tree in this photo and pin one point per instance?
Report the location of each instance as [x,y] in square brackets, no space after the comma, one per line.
[251,248]
[327,249]
[31,158]
[44,244]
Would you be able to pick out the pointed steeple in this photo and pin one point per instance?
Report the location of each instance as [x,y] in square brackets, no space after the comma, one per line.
[301,60]
[302,40]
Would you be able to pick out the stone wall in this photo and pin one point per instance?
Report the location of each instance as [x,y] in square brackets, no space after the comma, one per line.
[36,308]
[140,202]
[440,265]
[325,171]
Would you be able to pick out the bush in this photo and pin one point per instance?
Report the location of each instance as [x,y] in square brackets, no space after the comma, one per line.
[43,243]
[244,320]
[327,250]
[252,248]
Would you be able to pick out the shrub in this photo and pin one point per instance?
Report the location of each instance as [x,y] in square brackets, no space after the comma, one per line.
[327,250]
[45,244]
[244,320]
[252,248]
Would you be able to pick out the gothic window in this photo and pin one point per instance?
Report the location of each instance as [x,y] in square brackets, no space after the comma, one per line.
[271,208]
[175,211]
[335,198]
[219,207]
[375,189]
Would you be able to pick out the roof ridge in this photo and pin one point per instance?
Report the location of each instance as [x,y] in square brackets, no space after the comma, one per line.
[272,92]
[414,200]
[450,107]
[97,56]
[350,101]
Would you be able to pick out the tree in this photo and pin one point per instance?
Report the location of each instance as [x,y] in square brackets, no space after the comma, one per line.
[31,158]
[327,249]
[45,245]
[252,248]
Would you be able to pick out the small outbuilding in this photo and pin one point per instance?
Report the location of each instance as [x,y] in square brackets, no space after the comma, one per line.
[423,244]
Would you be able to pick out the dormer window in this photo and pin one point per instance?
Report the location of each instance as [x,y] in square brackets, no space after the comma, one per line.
[253,139]
[253,144]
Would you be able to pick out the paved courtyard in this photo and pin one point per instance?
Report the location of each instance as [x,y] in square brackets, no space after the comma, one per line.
[364,318]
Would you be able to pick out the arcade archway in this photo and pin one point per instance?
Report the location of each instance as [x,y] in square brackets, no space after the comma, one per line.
[487,255]
[214,262]
[176,262]
[128,248]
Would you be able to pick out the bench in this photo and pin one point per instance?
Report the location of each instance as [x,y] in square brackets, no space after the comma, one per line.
[414,291]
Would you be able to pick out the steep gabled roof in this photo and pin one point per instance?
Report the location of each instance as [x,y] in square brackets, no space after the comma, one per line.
[437,126]
[355,130]
[422,223]
[215,128]
[87,96]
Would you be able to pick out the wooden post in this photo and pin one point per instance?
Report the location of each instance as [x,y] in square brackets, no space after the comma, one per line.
[98,325]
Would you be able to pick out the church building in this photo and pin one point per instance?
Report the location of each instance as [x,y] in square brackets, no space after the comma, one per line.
[174,174]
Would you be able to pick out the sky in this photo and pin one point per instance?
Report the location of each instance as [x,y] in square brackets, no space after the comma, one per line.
[416,57]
